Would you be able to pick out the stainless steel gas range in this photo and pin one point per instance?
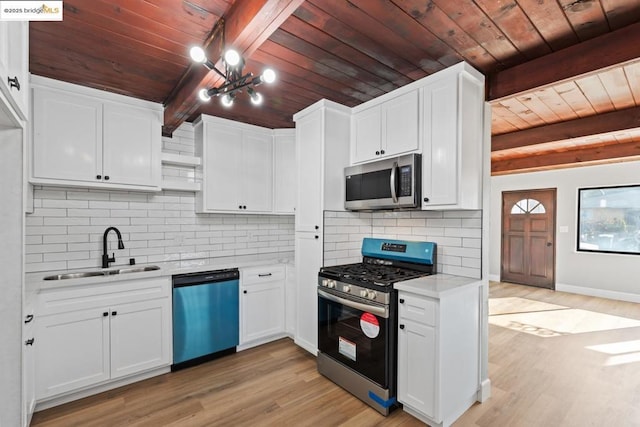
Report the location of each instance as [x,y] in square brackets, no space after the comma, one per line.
[357,317]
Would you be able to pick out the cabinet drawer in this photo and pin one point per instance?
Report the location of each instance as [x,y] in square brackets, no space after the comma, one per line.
[53,301]
[419,309]
[267,273]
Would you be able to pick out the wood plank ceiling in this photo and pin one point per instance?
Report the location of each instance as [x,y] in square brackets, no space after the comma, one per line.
[353,51]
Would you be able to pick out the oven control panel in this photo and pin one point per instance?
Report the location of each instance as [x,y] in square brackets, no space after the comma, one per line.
[358,291]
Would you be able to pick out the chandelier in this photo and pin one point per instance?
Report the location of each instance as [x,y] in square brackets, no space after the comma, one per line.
[234,80]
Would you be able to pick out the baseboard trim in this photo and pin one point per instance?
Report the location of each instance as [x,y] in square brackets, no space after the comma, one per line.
[485,391]
[306,345]
[494,277]
[602,293]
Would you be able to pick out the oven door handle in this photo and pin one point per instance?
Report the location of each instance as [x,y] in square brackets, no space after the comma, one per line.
[380,311]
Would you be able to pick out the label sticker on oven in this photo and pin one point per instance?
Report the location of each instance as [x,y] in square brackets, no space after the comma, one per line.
[369,325]
[347,348]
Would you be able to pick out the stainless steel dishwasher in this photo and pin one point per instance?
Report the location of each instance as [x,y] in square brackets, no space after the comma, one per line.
[205,316]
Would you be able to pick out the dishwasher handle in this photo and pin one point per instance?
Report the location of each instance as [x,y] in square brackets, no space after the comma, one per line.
[191,279]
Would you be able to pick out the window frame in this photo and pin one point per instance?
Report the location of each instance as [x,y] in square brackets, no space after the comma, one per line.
[579,225]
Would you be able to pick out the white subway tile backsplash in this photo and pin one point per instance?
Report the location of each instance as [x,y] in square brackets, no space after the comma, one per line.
[457,234]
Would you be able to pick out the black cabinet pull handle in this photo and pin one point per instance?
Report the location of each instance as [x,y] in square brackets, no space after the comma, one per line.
[98,176]
[244,292]
[381,151]
[401,326]
[244,207]
[264,274]
[377,153]
[426,199]
[106,177]
[317,237]
[30,341]
[401,301]
[28,318]
[105,314]
[317,227]
[239,206]
[113,313]
[13,82]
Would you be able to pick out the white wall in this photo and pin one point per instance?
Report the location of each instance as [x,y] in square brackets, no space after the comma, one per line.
[608,275]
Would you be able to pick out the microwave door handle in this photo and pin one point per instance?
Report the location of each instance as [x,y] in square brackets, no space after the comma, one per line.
[392,182]
[380,311]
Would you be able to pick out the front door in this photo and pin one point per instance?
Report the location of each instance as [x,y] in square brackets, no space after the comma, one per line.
[528,237]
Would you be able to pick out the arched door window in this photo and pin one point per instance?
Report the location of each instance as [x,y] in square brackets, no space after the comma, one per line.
[528,206]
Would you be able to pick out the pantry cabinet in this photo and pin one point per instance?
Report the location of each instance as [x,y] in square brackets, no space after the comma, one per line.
[387,128]
[236,166]
[91,335]
[82,137]
[14,65]
[322,152]
[262,304]
[453,138]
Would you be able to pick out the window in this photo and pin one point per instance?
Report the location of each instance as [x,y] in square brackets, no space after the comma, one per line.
[530,206]
[609,219]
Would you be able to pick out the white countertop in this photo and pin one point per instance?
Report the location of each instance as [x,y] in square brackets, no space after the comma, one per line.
[436,285]
[35,281]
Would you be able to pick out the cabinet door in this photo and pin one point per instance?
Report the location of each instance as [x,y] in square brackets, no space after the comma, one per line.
[67,136]
[16,35]
[309,151]
[28,366]
[416,366]
[400,124]
[4,51]
[308,249]
[256,172]
[132,145]
[221,161]
[366,137]
[140,336]
[72,351]
[440,150]
[284,170]
[262,311]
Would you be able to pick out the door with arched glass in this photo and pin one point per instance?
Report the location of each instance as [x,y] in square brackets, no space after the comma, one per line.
[528,237]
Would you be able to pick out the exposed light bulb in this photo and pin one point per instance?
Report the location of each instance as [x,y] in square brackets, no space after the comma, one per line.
[268,76]
[197,54]
[226,101]
[256,98]
[231,57]
[203,94]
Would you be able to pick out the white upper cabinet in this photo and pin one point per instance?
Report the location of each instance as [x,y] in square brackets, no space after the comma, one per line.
[386,129]
[453,138]
[236,167]
[84,137]
[284,171]
[14,64]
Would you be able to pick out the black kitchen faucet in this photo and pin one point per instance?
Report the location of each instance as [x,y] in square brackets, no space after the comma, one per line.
[105,257]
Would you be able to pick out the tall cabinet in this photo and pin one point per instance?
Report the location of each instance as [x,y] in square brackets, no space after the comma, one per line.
[322,152]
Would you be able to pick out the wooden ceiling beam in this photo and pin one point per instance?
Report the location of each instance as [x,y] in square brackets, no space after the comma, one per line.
[247,25]
[611,153]
[594,125]
[601,52]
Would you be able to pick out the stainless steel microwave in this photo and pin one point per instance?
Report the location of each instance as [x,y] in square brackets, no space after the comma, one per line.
[384,184]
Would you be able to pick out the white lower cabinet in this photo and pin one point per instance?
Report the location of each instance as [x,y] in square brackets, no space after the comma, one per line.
[262,305]
[438,353]
[124,329]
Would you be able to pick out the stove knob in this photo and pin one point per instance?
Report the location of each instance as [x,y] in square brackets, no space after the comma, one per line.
[346,288]
[325,282]
[372,294]
[363,293]
[332,284]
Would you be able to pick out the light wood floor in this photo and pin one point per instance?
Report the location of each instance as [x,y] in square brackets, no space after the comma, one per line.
[566,378]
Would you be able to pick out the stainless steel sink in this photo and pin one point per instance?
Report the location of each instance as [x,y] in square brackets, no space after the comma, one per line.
[102,273]
[138,269]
